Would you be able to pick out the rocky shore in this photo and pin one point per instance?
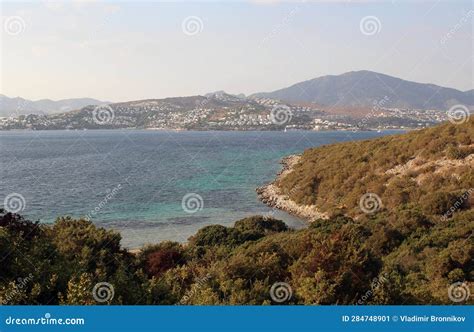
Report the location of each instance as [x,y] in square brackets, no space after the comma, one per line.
[272,196]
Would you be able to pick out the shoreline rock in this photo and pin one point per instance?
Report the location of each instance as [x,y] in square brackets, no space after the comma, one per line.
[271,195]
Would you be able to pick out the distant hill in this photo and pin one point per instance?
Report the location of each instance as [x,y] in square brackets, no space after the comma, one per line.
[20,106]
[218,111]
[222,111]
[363,88]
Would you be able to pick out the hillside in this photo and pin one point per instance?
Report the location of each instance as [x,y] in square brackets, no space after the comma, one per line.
[216,111]
[352,101]
[410,242]
[363,88]
[414,168]
[222,111]
[20,106]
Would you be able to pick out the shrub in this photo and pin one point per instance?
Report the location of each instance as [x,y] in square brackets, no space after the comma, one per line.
[260,224]
[439,203]
[215,235]
[163,259]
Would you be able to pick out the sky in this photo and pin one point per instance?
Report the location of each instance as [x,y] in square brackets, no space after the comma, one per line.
[129,50]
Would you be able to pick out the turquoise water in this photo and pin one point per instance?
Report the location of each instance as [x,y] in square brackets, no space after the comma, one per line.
[134,181]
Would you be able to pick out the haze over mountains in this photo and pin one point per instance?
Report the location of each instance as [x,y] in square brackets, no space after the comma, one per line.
[19,106]
[356,89]
[363,88]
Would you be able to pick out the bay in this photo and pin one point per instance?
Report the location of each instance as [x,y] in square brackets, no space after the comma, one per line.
[134,181]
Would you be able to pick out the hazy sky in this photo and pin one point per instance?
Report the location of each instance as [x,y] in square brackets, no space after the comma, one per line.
[120,51]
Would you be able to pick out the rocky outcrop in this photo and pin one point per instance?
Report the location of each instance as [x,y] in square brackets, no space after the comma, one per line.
[272,196]
[422,170]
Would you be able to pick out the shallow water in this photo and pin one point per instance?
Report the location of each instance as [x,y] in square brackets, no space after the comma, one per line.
[134,181]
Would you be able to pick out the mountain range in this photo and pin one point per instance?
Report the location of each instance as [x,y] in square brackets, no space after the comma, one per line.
[363,88]
[20,106]
[352,92]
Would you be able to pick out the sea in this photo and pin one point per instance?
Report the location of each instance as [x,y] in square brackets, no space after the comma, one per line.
[150,185]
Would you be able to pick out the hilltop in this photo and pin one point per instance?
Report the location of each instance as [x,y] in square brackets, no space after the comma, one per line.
[358,89]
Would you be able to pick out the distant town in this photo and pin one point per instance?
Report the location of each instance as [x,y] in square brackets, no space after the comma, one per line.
[221,111]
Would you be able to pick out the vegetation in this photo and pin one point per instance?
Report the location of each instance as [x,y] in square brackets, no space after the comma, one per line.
[409,252]
[400,169]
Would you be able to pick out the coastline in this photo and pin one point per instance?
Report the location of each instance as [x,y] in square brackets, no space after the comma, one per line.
[271,195]
[205,130]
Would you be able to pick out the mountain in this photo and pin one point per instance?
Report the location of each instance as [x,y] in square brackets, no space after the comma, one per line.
[20,106]
[364,88]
